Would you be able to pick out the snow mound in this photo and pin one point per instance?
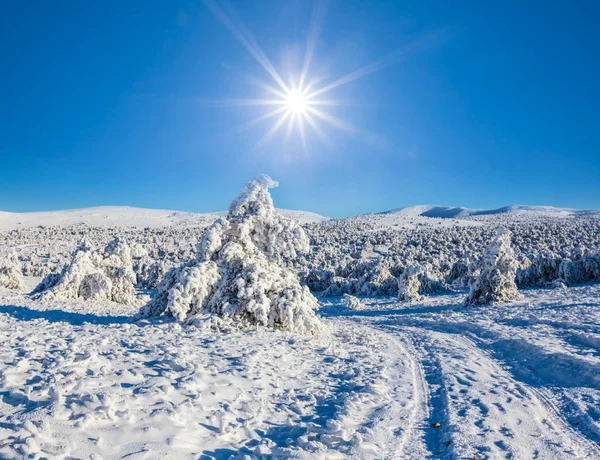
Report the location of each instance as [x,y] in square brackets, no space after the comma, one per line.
[239,274]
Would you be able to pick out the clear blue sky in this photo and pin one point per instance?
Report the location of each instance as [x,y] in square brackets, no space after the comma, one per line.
[113,103]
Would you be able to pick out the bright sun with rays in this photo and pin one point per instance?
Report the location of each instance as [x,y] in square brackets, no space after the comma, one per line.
[298,104]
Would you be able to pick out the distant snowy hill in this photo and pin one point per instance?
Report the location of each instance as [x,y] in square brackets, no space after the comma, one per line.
[408,217]
[447,212]
[124,216]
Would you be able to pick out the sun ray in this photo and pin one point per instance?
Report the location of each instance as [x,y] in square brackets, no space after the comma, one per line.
[368,136]
[322,136]
[248,102]
[330,103]
[311,41]
[333,121]
[302,135]
[264,117]
[247,42]
[290,125]
[274,129]
[417,45]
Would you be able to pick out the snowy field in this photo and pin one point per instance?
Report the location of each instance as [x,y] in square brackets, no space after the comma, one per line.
[392,365]
[82,380]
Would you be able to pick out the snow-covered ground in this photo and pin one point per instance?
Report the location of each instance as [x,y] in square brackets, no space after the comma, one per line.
[384,379]
[81,379]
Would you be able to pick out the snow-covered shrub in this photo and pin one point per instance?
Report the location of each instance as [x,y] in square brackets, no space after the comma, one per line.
[339,286]
[459,274]
[318,280]
[353,303]
[496,280]
[409,284]
[431,281]
[149,272]
[543,270]
[552,270]
[11,276]
[94,275]
[238,274]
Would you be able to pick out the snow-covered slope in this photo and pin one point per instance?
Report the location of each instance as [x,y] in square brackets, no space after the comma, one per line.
[450,212]
[124,216]
[421,216]
[428,210]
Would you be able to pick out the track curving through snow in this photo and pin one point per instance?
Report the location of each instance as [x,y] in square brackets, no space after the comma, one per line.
[514,381]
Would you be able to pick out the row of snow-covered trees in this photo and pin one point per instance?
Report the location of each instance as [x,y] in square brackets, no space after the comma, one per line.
[245,267]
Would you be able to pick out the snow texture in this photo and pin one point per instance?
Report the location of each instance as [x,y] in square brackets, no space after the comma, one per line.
[239,273]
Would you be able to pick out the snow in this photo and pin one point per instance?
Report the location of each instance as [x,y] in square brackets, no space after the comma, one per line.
[450,212]
[124,216]
[423,376]
[512,381]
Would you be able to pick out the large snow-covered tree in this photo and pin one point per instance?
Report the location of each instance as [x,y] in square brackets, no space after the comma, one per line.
[239,275]
[103,274]
[498,268]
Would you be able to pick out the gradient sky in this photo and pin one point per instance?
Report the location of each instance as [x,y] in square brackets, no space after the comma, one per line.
[118,103]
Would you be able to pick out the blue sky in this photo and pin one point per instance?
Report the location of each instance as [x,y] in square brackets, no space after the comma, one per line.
[121,103]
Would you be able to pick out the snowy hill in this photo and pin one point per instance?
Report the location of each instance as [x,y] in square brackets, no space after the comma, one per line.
[449,212]
[407,217]
[124,216]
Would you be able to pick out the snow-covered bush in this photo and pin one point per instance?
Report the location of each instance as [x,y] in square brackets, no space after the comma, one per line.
[498,268]
[11,276]
[409,284]
[459,274]
[353,303]
[543,270]
[431,281]
[318,280]
[149,272]
[239,274]
[94,275]
[557,270]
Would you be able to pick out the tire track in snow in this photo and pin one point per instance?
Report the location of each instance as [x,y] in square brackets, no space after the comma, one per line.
[393,430]
[489,413]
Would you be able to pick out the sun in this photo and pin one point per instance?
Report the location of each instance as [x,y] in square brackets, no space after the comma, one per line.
[297,105]
[297,102]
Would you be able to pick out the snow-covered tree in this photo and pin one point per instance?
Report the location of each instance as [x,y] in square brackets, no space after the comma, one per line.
[11,276]
[239,275]
[104,274]
[498,268]
[409,284]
